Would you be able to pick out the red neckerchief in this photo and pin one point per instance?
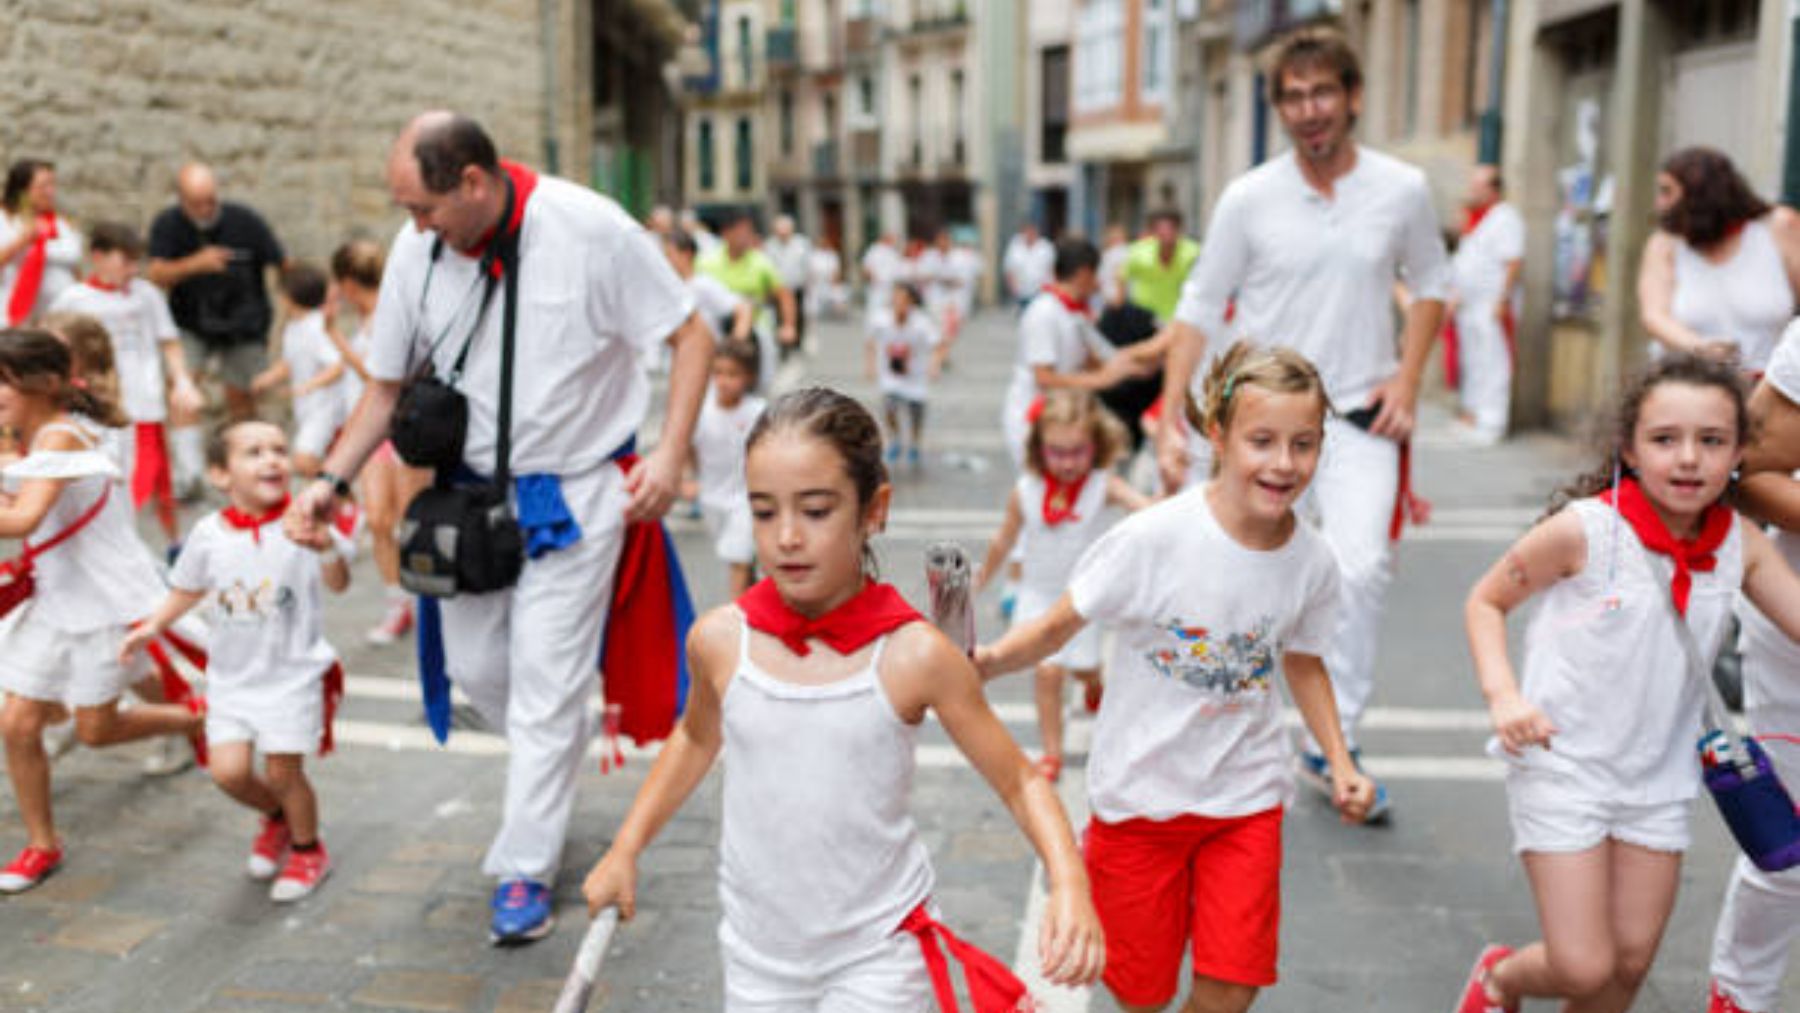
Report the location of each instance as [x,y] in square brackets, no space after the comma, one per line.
[97,284]
[524,181]
[875,610]
[1060,499]
[253,523]
[31,271]
[1695,555]
[1069,302]
[1472,217]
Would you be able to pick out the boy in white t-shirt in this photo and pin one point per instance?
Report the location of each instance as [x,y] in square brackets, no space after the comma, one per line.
[147,353]
[905,353]
[719,437]
[272,679]
[1191,770]
[310,365]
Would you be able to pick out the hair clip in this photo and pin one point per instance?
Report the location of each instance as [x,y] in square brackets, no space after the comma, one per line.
[1230,385]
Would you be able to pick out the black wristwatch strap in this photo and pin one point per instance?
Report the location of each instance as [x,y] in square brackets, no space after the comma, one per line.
[339,487]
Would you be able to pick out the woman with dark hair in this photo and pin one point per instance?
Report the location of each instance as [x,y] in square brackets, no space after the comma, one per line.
[1721,275]
[39,249]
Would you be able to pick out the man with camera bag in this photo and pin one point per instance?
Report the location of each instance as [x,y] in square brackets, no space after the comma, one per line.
[507,353]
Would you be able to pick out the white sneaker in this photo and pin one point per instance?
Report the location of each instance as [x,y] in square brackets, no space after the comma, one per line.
[59,738]
[171,754]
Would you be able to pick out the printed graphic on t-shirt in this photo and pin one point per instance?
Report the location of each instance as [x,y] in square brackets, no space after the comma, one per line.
[1225,665]
[242,604]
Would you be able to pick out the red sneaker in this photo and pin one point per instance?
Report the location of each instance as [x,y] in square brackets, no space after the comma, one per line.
[196,704]
[1475,994]
[304,872]
[269,848]
[1719,1002]
[31,867]
[393,625]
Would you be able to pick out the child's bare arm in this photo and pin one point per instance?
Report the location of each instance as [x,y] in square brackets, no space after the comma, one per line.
[271,378]
[926,668]
[334,570]
[25,510]
[1772,497]
[322,379]
[1003,542]
[1769,583]
[1124,495]
[175,604]
[1025,645]
[1310,688]
[1552,551]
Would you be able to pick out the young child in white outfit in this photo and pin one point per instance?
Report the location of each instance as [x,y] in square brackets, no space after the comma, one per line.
[310,367]
[905,353]
[1599,737]
[815,683]
[1209,595]
[1065,501]
[719,434]
[272,678]
[93,579]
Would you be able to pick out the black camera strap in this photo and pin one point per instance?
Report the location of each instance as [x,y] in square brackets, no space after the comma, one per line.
[509,269]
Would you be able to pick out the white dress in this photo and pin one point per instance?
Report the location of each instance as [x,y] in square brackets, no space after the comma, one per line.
[1047,558]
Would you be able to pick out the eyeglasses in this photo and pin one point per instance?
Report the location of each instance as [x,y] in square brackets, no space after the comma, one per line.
[1069,455]
[1321,96]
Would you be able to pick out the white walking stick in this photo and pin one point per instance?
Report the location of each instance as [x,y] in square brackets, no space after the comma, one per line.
[578,988]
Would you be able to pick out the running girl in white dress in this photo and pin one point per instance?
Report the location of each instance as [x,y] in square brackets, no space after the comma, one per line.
[816,683]
[93,580]
[1191,769]
[273,680]
[1064,502]
[1599,737]
[719,436]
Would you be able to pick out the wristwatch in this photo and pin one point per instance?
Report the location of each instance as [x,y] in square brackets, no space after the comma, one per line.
[339,487]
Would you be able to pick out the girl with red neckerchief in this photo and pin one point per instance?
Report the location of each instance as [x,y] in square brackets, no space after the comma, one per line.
[816,682]
[1065,501]
[1599,734]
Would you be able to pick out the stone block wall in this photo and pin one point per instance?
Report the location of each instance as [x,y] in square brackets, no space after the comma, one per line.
[294,102]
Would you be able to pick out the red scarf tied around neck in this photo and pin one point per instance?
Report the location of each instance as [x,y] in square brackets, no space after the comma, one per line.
[31,270]
[1691,556]
[1060,499]
[253,523]
[872,612]
[1070,303]
[524,181]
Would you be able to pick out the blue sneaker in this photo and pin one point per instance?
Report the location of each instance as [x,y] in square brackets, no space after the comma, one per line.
[892,454]
[521,913]
[1315,773]
[912,457]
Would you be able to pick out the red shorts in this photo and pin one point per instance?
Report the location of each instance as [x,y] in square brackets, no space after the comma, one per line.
[1159,883]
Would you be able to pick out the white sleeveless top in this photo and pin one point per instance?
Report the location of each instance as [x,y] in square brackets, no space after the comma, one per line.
[1048,554]
[1604,662]
[103,576]
[1747,299]
[819,859]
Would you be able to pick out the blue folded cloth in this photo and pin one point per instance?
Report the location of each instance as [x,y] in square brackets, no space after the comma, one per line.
[544,516]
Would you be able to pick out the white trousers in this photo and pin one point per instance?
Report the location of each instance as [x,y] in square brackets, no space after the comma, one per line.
[1487,369]
[1351,502]
[528,658]
[1760,922]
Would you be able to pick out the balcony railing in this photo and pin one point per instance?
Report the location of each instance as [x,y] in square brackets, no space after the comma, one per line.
[943,20]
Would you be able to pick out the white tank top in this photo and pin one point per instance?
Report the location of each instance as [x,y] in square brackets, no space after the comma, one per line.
[1604,662]
[1048,554]
[103,576]
[1747,299]
[819,859]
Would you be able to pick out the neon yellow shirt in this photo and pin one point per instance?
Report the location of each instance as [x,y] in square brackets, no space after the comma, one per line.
[752,276]
[1154,285]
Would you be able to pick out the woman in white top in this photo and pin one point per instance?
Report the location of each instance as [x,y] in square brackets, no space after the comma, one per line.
[1599,735]
[59,647]
[39,249]
[1721,275]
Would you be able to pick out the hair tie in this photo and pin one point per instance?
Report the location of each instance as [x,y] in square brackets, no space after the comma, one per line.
[1035,411]
[1230,385]
[79,383]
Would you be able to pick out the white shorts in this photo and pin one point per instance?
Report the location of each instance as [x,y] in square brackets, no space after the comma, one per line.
[1081,653]
[287,722]
[892,980]
[730,530]
[314,431]
[1548,817]
[40,662]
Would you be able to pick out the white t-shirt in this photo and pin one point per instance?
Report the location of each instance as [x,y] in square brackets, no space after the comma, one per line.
[595,295]
[1028,266]
[931,272]
[1050,334]
[716,303]
[1191,723]
[789,258]
[903,353]
[1783,371]
[967,266]
[137,318]
[1317,274]
[308,351]
[822,267]
[265,596]
[719,436]
[1479,267]
[62,256]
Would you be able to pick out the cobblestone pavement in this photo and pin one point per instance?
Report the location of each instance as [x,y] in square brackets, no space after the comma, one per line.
[152,911]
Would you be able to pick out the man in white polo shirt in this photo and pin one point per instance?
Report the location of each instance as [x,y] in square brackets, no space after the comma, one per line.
[1307,247]
[595,294]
